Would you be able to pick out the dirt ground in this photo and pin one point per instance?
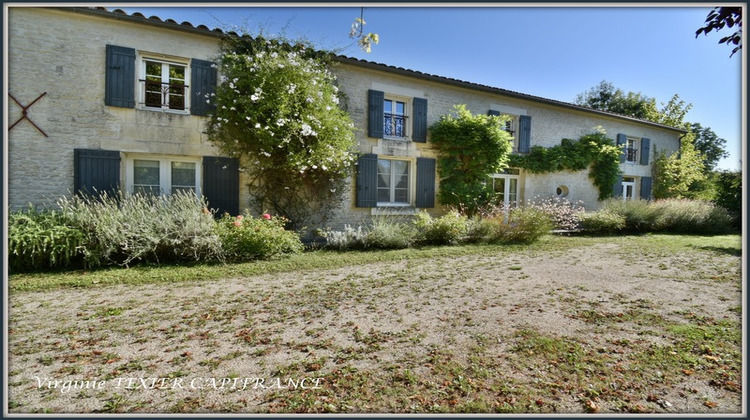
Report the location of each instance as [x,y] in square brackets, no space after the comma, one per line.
[393,337]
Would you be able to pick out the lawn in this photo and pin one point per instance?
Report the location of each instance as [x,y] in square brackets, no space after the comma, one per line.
[626,324]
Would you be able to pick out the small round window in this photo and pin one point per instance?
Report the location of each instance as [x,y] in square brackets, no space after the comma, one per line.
[562,191]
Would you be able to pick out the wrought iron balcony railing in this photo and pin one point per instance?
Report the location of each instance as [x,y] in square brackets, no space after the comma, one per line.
[164,95]
[394,125]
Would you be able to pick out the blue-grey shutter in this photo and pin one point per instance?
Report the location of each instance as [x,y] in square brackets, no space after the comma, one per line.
[96,171]
[420,120]
[645,150]
[202,82]
[524,134]
[425,197]
[622,139]
[375,113]
[119,77]
[221,184]
[617,188]
[646,183]
[367,180]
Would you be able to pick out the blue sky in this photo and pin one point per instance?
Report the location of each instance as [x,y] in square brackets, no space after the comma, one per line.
[555,53]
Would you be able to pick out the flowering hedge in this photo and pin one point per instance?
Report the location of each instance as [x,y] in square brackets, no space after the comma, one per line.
[277,108]
[245,237]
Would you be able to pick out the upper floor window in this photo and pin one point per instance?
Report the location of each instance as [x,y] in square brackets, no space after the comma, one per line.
[631,150]
[400,117]
[394,118]
[164,84]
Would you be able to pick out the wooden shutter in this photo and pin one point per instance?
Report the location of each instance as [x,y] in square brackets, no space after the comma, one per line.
[420,120]
[367,180]
[119,77]
[375,113]
[622,139]
[202,82]
[425,197]
[221,184]
[646,183]
[96,172]
[524,134]
[617,188]
[645,150]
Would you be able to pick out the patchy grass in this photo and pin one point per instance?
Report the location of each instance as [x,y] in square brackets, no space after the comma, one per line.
[567,325]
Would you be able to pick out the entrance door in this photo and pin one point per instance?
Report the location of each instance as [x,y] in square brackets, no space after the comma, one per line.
[628,188]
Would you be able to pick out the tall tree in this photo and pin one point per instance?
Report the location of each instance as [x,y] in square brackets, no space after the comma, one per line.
[710,145]
[606,97]
[724,16]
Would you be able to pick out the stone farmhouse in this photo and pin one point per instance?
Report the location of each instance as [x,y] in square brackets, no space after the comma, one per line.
[87,110]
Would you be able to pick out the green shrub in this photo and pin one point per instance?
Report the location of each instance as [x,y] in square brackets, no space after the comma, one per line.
[41,239]
[691,216]
[389,232]
[639,215]
[445,230]
[670,215]
[602,222]
[143,228]
[526,225]
[246,238]
[349,238]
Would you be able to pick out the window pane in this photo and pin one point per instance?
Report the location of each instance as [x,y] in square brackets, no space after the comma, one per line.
[384,195]
[384,174]
[400,108]
[387,106]
[176,73]
[145,190]
[401,195]
[183,175]
[400,167]
[153,70]
[146,172]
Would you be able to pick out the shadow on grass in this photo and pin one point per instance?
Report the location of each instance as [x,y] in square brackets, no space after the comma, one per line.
[735,252]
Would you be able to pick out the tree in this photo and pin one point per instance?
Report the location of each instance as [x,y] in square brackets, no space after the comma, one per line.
[470,149]
[724,16]
[674,174]
[729,193]
[277,109]
[605,97]
[710,145]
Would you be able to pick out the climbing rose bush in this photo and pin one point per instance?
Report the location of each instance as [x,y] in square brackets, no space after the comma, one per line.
[277,108]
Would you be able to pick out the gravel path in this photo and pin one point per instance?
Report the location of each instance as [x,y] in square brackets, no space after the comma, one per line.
[243,345]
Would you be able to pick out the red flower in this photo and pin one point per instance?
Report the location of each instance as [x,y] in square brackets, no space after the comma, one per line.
[237,223]
[240,217]
[267,216]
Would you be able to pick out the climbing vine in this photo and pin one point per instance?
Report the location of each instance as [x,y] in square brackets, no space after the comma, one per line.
[470,149]
[277,109]
[594,151]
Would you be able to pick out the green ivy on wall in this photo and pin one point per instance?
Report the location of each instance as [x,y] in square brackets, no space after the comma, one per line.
[594,151]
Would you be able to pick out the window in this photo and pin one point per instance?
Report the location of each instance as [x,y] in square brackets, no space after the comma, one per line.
[631,150]
[505,186]
[163,85]
[161,175]
[628,188]
[393,181]
[394,118]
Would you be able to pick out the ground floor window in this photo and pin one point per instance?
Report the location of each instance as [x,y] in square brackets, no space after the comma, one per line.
[393,181]
[162,175]
[628,188]
[505,186]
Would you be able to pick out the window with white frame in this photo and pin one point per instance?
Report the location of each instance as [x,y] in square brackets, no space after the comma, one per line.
[158,175]
[631,150]
[628,188]
[164,84]
[395,117]
[505,187]
[393,181]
